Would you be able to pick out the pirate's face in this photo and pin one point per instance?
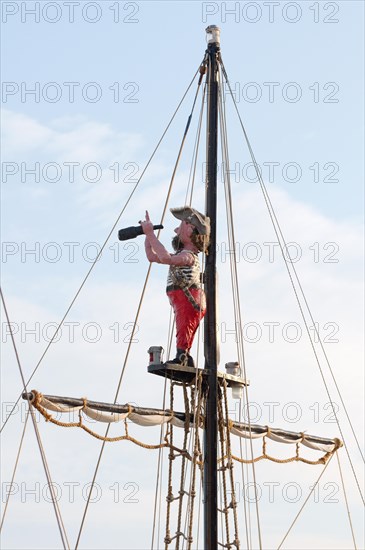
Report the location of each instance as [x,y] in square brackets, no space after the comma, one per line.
[184,232]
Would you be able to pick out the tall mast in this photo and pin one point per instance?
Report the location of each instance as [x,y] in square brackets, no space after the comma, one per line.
[210,322]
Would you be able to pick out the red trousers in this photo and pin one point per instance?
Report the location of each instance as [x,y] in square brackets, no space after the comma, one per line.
[187,318]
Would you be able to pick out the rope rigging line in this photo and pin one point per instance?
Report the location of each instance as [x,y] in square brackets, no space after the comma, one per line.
[236,296]
[197,453]
[346,501]
[61,525]
[183,464]
[105,438]
[192,173]
[191,182]
[56,508]
[227,464]
[234,282]
[103,246]
[158,492]
[179,153]
[199,508]
[246,508]
[169,497]
[282,243]
[145,283]
[229,454]
[115,400]
[182,492]
[305,502]
[195,396]
[221,511]
[14,470]
[196,403]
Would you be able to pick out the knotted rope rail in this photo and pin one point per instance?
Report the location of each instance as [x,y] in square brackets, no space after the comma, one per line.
[36,401]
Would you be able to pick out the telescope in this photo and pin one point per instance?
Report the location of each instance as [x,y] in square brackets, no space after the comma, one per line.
[133,232]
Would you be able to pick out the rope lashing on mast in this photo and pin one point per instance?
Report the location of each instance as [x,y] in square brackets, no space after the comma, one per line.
[44,405]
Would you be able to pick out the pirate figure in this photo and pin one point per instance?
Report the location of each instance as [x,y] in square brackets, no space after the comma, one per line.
[184,288]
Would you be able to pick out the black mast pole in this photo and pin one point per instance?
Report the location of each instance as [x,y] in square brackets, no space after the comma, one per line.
[210,322]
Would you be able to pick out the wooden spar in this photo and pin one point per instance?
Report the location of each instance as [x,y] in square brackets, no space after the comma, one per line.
[210,485]
[124,408]
[106,407]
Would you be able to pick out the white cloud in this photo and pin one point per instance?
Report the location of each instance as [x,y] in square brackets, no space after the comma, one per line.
[94,146]
[66,139]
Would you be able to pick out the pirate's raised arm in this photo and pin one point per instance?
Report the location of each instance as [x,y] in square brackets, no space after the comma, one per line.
[156,252]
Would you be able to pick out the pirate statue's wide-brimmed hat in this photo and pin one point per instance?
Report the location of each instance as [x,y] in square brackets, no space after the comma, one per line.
[196,218]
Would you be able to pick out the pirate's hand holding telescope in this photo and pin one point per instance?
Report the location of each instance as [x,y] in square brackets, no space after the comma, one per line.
[156,252]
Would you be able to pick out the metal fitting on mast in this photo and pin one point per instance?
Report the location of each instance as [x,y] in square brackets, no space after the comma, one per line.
[213,33]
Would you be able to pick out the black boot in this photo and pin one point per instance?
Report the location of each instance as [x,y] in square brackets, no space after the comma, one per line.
[185,358]
[191,361]
[181,358]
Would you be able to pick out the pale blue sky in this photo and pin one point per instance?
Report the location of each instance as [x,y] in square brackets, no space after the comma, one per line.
[155,58]
[168,36]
